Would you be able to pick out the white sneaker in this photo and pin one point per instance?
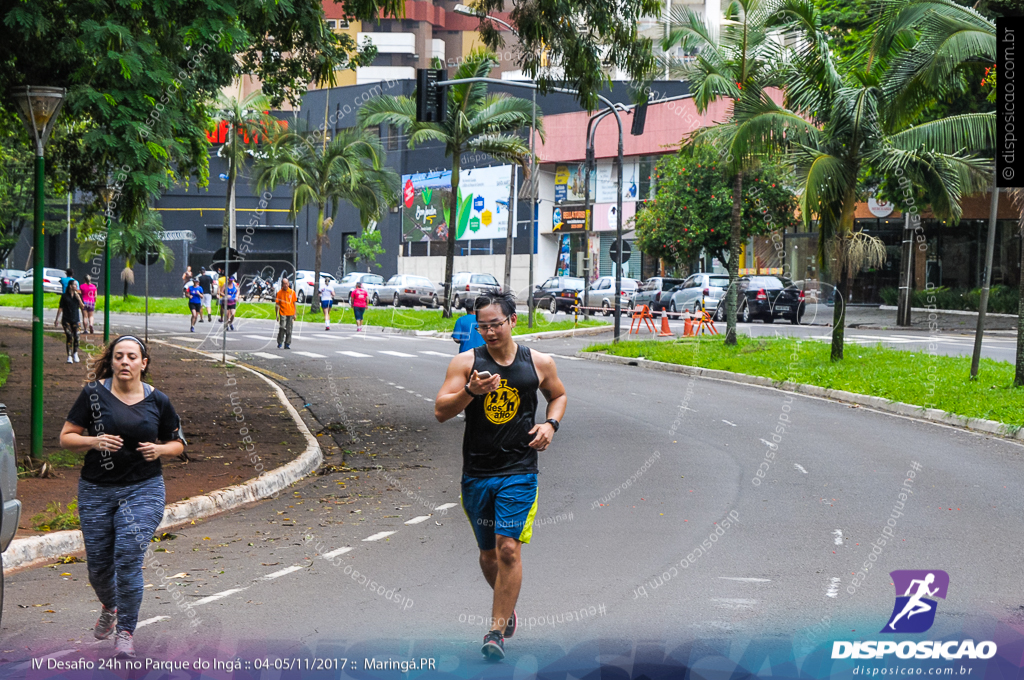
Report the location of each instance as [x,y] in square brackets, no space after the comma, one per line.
[77,360]
[70,360]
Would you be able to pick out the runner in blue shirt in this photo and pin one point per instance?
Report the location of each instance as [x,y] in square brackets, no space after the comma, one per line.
[231,295]
[195,302]
[466,334]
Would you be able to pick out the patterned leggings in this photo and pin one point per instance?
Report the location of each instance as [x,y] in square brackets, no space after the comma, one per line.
[70,336]
[117,525]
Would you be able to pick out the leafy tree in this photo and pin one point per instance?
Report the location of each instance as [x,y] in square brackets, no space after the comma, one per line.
[367,247]
[247,125]
[350,167]
[475,122]
[693,207]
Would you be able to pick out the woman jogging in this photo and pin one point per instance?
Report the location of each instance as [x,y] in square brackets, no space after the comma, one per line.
[358,300]
[326,301]
[126,427]
[195,302]
[89,300]
[70,307]
[231,295]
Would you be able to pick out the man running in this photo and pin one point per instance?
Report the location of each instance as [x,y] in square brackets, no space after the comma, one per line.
[206,283]
[195,302]
[499,449]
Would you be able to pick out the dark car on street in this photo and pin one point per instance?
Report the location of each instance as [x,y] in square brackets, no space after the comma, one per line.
[655,293]
[7,279]
[557,293]
[768,298]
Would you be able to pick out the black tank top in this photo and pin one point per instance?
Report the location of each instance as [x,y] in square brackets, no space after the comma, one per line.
[498,424]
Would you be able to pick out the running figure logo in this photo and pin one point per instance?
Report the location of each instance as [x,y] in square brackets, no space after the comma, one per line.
[502,404]
[914,612]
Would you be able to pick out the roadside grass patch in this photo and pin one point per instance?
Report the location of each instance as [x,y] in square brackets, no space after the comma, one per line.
[57,517]
[5,368]
[926,380]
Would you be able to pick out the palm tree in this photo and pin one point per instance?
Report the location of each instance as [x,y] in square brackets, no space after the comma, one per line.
[856,127]
[132,243]
[737,64]
[475,121]
[349,167]
[246,123]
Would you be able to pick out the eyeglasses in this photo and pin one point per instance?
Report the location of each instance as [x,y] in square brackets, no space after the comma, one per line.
[484,327]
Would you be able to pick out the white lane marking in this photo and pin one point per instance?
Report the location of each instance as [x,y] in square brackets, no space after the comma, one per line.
[427,399]
[259,337]
[335,553]
[435,354]
[218,596]
[746,579]
[155,619]
[283,572]
[728,423]
[188,338]
[393,353]
[266,355]
[217,338]
[311,355]
[391,383]
[733,603]
[378,536]
[798,466]
[417,520]
[838,533]
[833,588]
[357,355]
[329,337]
[399,387]
[445,506]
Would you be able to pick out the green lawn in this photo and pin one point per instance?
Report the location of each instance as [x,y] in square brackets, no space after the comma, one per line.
[403,317]
[5,368]
[919,378]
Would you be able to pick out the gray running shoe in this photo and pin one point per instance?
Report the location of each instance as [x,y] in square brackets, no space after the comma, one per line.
[124,647]
[105,624]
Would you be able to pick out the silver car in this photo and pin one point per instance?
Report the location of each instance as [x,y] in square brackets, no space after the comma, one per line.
[343,289]
[51,281]
[698,288]
[406,289]
[468,286]
[11,506]
[602,294]
[654,293]
[8,277]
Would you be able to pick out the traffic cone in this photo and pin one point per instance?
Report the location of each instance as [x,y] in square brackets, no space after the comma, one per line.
[666,332]
[688,327]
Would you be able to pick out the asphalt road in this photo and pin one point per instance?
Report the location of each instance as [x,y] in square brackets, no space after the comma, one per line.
[646,467]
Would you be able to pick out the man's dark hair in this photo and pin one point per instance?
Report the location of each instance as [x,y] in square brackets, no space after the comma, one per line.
[69,271]
[506,300]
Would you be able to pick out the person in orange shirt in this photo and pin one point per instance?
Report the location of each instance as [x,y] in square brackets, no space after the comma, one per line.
[284,303]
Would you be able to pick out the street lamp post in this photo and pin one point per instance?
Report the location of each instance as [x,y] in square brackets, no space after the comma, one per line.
[38,107]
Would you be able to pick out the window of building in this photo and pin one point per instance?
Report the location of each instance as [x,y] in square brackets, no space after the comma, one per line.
[392,138]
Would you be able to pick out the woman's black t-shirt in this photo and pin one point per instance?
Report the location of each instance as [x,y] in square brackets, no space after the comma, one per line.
[151,420]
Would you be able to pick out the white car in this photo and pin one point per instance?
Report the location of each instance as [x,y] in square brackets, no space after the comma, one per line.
[343,288]
[51,281]
[304,286]
[406,289]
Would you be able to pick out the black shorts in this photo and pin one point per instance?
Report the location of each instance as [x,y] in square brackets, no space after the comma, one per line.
[195,306]
[358,311]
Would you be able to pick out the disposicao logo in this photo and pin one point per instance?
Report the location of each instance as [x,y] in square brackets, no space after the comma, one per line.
[914,612]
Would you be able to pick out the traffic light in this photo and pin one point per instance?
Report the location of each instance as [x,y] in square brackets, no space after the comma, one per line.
[639,118]
[431,99]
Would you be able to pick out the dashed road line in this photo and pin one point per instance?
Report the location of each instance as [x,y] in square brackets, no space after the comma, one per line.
[393,353]
[798,466]
[218,596]
[335,553]
[379,535]
[728,423]
[155,619]
[283,572]
[838,536]
[357,355]
[259,337]
[746,579]
[311,355]
[435,354]
[445,506]
[833,588]
[266,355]
[417,520]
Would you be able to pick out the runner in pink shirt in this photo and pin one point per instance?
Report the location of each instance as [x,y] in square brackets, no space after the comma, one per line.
[88,290]
[358,300]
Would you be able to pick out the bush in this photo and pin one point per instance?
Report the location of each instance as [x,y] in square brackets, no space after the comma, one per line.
[56,518]
[1001,299]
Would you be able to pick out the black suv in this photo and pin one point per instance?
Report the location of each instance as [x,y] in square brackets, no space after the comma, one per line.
[558,293]
[768,298]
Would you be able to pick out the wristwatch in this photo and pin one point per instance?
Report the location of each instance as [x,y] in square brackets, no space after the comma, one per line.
[554,423]
[470,393]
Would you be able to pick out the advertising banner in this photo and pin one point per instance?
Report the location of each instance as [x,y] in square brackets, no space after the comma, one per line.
[483,204]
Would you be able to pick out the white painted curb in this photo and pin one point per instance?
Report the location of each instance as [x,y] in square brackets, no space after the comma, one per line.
[898,407]
[34,550]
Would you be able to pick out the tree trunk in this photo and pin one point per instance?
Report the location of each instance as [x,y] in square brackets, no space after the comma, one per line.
[735,238]
[839,316]
[225,234]
[1018,378]
[453,226]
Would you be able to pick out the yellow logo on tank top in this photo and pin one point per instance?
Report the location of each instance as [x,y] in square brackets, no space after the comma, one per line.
[502,404]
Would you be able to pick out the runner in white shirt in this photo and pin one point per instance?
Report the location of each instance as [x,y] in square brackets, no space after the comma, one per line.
[326,301]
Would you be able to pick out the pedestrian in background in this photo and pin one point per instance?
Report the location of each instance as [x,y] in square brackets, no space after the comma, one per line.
[221,287]
[88,290]
[195,302]
[358,300]
[326,301]
[231,299]
[206,283]
[186,280]
[69,275]
[126,427]
[284,303]
[70,306]
[466,334]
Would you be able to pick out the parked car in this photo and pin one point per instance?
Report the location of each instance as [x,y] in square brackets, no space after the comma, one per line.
[468,286]
[602,294]
[704,288]
[11,506]
[557,293]
[51,281]
[768,298]
[302,282]
[653,293]
[343,289]
[406,289]
[7,279]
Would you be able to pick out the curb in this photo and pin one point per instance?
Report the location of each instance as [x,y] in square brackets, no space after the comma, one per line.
[896,407]
[960,312]
[23,553]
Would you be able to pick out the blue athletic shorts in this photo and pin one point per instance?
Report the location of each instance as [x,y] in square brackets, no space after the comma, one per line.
[500,505]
